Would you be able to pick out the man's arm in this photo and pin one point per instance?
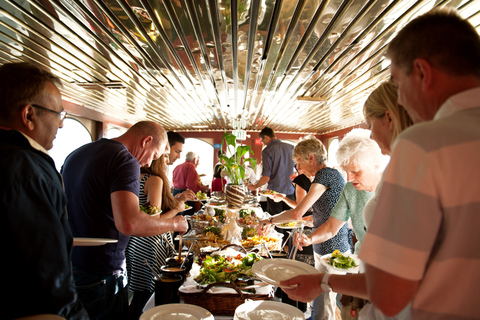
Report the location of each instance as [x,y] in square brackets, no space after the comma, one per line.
[308,287]
[263,180]
[130,221]
[389,293]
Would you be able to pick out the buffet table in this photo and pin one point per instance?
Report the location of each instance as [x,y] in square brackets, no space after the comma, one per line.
[233,229]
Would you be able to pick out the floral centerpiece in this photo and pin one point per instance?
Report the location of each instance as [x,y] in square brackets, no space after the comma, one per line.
[234,167]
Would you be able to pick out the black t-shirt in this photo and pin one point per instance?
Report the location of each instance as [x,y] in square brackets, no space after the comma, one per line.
[303,181]
[91,174]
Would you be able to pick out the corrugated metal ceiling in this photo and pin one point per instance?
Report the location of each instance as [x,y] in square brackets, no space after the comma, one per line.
[296,66]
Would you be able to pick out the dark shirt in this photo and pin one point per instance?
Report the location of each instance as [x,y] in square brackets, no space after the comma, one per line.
[334,182]
[91,174]
[278,166]
[36,238]
[303,182]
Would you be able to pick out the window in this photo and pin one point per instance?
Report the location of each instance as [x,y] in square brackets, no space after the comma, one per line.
[332,151]
[114,133]
[72,136]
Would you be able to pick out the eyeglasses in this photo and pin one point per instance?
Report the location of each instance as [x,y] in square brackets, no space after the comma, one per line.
[61,115]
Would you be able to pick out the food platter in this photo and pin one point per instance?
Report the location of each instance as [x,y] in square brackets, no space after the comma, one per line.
[87,242]
[332,269]
[270,193]
[259,310]
[177,311]
[273,271]
[291,225]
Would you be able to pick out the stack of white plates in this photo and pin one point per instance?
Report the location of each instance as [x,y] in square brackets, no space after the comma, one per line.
[267,310]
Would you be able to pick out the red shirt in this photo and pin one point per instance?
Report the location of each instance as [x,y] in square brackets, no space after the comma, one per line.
[218,184]
[185,176]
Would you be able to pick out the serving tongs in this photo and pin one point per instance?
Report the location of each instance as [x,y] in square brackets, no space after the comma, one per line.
[295,249]
[252,286]
[155,274]
[188,252]
[171,245]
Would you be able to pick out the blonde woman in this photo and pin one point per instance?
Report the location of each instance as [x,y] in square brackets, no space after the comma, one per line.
[386,119]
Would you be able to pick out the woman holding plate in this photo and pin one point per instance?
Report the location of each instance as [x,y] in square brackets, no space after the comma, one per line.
[361,158]
[327,185]
[386,119]
[154,191]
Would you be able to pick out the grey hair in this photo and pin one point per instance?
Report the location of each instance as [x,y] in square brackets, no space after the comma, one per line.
[190,156]
[309,146]
[357,147]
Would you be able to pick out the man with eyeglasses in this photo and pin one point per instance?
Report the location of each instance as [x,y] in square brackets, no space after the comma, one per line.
[37,240]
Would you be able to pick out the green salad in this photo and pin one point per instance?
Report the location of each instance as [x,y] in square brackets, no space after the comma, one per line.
[226,269]
[220,214]
[149,209]
[338,260]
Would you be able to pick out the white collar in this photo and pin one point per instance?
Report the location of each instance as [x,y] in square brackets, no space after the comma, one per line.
[35,144]
[461,101]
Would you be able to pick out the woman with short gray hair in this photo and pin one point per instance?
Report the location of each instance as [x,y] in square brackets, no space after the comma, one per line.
[361,158]
[310,156]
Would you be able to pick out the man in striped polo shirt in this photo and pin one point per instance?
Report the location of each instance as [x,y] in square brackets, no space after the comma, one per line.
[422,246]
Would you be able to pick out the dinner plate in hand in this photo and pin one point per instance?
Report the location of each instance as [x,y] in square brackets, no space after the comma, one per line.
[273,271]
[87,242]
[298,224]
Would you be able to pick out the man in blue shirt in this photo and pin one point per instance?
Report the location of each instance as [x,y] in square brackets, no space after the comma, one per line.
[278,165]
[102,185]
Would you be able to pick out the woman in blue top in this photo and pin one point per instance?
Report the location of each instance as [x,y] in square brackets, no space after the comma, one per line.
[327,185]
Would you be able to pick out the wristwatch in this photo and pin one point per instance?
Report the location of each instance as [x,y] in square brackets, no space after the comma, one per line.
[325,286]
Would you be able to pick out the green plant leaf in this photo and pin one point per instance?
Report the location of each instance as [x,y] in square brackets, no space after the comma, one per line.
[233,165]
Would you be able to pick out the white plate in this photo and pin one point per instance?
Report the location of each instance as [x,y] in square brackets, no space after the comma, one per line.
[83,242]
[298,224]
[156,214]
[187,208]
[261,310]
[271,195]
[177,311]
[216,204]
[273,271]
[332,269]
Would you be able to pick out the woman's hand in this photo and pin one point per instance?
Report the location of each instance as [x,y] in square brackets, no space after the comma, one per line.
[277,197]
[264,227]
[187,195]
[302,241]
[180,207]
[309,219]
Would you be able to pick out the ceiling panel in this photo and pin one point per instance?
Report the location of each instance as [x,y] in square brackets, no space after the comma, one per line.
[296,66]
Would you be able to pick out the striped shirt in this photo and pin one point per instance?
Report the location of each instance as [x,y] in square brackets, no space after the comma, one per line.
[153,249]
[425,226]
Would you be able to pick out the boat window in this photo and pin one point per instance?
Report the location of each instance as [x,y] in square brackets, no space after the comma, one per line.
[72,136]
